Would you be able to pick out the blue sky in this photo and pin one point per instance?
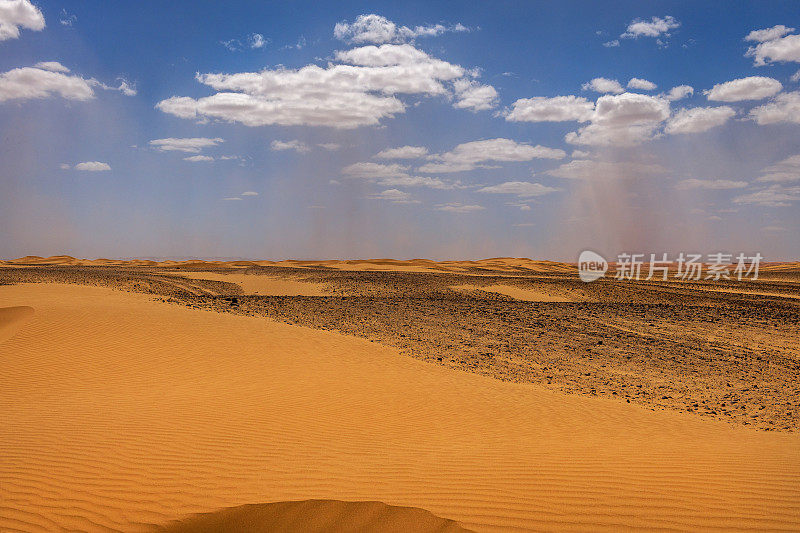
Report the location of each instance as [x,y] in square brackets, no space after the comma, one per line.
[415,129]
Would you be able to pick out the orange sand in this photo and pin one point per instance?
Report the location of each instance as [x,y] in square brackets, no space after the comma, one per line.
[119,412]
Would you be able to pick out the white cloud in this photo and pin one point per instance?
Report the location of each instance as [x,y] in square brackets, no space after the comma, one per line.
[52,66]
[392,175]
[249,193]
[795,77]
[92,166]
[16,14]
[233,199]
[369,170]
[773,196]
[655,27]
[750,88]
[395,196]
[471,155]
[783,108]
[256,40]
[587,169]
[710,184]
[603,85]
[455,207]
[473,95]
[42,81]
[611,44]
[679,92]
[192,145]
[783,171]
[555,109]
[523,189]
[622,120]
[777,50]
[768,34]
[64,166]
[359,92]
[199,158]
[580,154]
[643,85]
[403,152]
[377,29]
[67,19]
[698,119]
[297,146]
[331,147]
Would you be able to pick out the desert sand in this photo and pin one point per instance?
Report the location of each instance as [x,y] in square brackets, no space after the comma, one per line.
[125,413]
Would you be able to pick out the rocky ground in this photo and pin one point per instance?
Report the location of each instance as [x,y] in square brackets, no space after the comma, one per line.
[728,350]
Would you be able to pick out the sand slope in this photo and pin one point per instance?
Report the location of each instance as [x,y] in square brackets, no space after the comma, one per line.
[12,319]
[122,413]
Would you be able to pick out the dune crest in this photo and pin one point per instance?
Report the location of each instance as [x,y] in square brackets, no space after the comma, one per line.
[13,318]
[310,516]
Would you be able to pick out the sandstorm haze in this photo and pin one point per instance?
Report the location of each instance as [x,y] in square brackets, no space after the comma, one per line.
[425,131]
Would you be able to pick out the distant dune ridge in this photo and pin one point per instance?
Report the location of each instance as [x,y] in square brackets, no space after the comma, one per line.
[127,414]
[411,265]
[496,264]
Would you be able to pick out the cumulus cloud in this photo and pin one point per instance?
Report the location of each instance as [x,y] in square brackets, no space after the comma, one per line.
[392,175]
[456,207]
[474,96]
[523,189]
[330,146]
[16,14]
[376,29]
[297,146]
[471,155]
[774,46]
[772,196]
[768,34]
[589,169]
[698,119]
[643,85]
[92,166]
[750,88]
[783,171]
[191,145]
[395,196]
[783,108]
[680,92]
[622,120]
[655,27]
[555,109]
[603,85]
[43,81]
[710,184]
[403,152]
[359,91]
[199,158]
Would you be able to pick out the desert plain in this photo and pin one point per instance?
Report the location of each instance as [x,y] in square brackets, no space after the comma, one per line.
[382,395]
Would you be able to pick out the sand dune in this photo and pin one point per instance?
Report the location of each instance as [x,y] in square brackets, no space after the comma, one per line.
[262,285]
[123,413]
[317,516]
[499,264]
